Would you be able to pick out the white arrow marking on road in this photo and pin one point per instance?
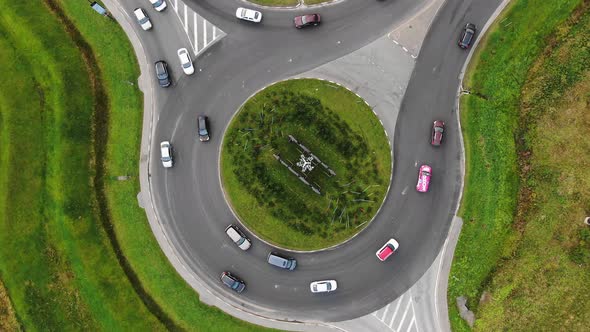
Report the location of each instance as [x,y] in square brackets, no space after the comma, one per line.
[405,190]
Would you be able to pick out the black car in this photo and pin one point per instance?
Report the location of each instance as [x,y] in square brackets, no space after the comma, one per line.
[202,125]
[467,35]
[232,282]
[162,73]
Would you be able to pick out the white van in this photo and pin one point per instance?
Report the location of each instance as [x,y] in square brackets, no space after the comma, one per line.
[238,237]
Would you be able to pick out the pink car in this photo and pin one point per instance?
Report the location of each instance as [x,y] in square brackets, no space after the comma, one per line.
[424,178]
[387,250]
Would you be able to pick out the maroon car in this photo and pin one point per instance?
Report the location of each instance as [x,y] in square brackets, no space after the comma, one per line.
[438,129]
[306,20]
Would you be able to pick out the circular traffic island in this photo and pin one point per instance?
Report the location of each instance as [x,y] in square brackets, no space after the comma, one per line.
[305,164]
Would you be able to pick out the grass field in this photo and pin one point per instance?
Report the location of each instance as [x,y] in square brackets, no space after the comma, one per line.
[339,128]
[491,236]
[56,261]
[58,264]
[545,285]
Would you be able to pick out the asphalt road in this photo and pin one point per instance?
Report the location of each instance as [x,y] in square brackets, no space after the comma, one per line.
[189,198]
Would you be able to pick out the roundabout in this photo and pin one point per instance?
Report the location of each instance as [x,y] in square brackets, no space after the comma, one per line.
[191,212]
[305,164]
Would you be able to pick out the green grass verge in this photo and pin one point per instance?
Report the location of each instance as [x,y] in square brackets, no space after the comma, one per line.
[56,261]
[339,128]
[545,285]
[490,117]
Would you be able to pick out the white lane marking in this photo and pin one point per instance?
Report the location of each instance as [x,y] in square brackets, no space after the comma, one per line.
[412,322]
[196,36]
[405,190]
[415,163]
[413,313]
[399,302]
[185,20]
[385,313]
[404,316]
[214,32]
[205,33]
[176,6]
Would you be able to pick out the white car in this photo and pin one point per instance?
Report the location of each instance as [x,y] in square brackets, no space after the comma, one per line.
[323,286]
[248,15]
[185,61]
[238,237]
[166,151]
[142,19]
[159,5]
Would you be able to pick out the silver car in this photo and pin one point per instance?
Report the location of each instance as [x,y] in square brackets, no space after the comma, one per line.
[166,151]
[185,61]
[323,286]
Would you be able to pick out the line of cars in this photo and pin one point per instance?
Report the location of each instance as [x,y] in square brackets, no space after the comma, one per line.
[161,67]
[255,16]
[166,150]
[274,258]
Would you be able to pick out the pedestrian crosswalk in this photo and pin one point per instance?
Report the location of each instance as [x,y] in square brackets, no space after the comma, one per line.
[398,316]
[201,33]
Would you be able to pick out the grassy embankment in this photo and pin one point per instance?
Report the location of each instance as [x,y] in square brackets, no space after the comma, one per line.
[63,108]
[56,261]
[515,243]
[339,128]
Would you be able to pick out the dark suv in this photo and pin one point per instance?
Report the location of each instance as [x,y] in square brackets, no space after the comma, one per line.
[162,73]
[232,282]
[202,125]
[467,35]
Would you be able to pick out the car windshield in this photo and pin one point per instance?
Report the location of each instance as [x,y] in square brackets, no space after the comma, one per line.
[303,19]
[439,129]
[256,15]
[425,173]
[143,20]
[166,159]
[158,3]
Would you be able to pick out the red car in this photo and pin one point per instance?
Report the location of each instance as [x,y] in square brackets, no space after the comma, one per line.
[387,250]
[438,129]
[307,20]
[424,178]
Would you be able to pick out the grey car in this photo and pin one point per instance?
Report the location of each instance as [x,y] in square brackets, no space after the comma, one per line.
[162,73]
[232,282]
[202,126]
[282,262]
